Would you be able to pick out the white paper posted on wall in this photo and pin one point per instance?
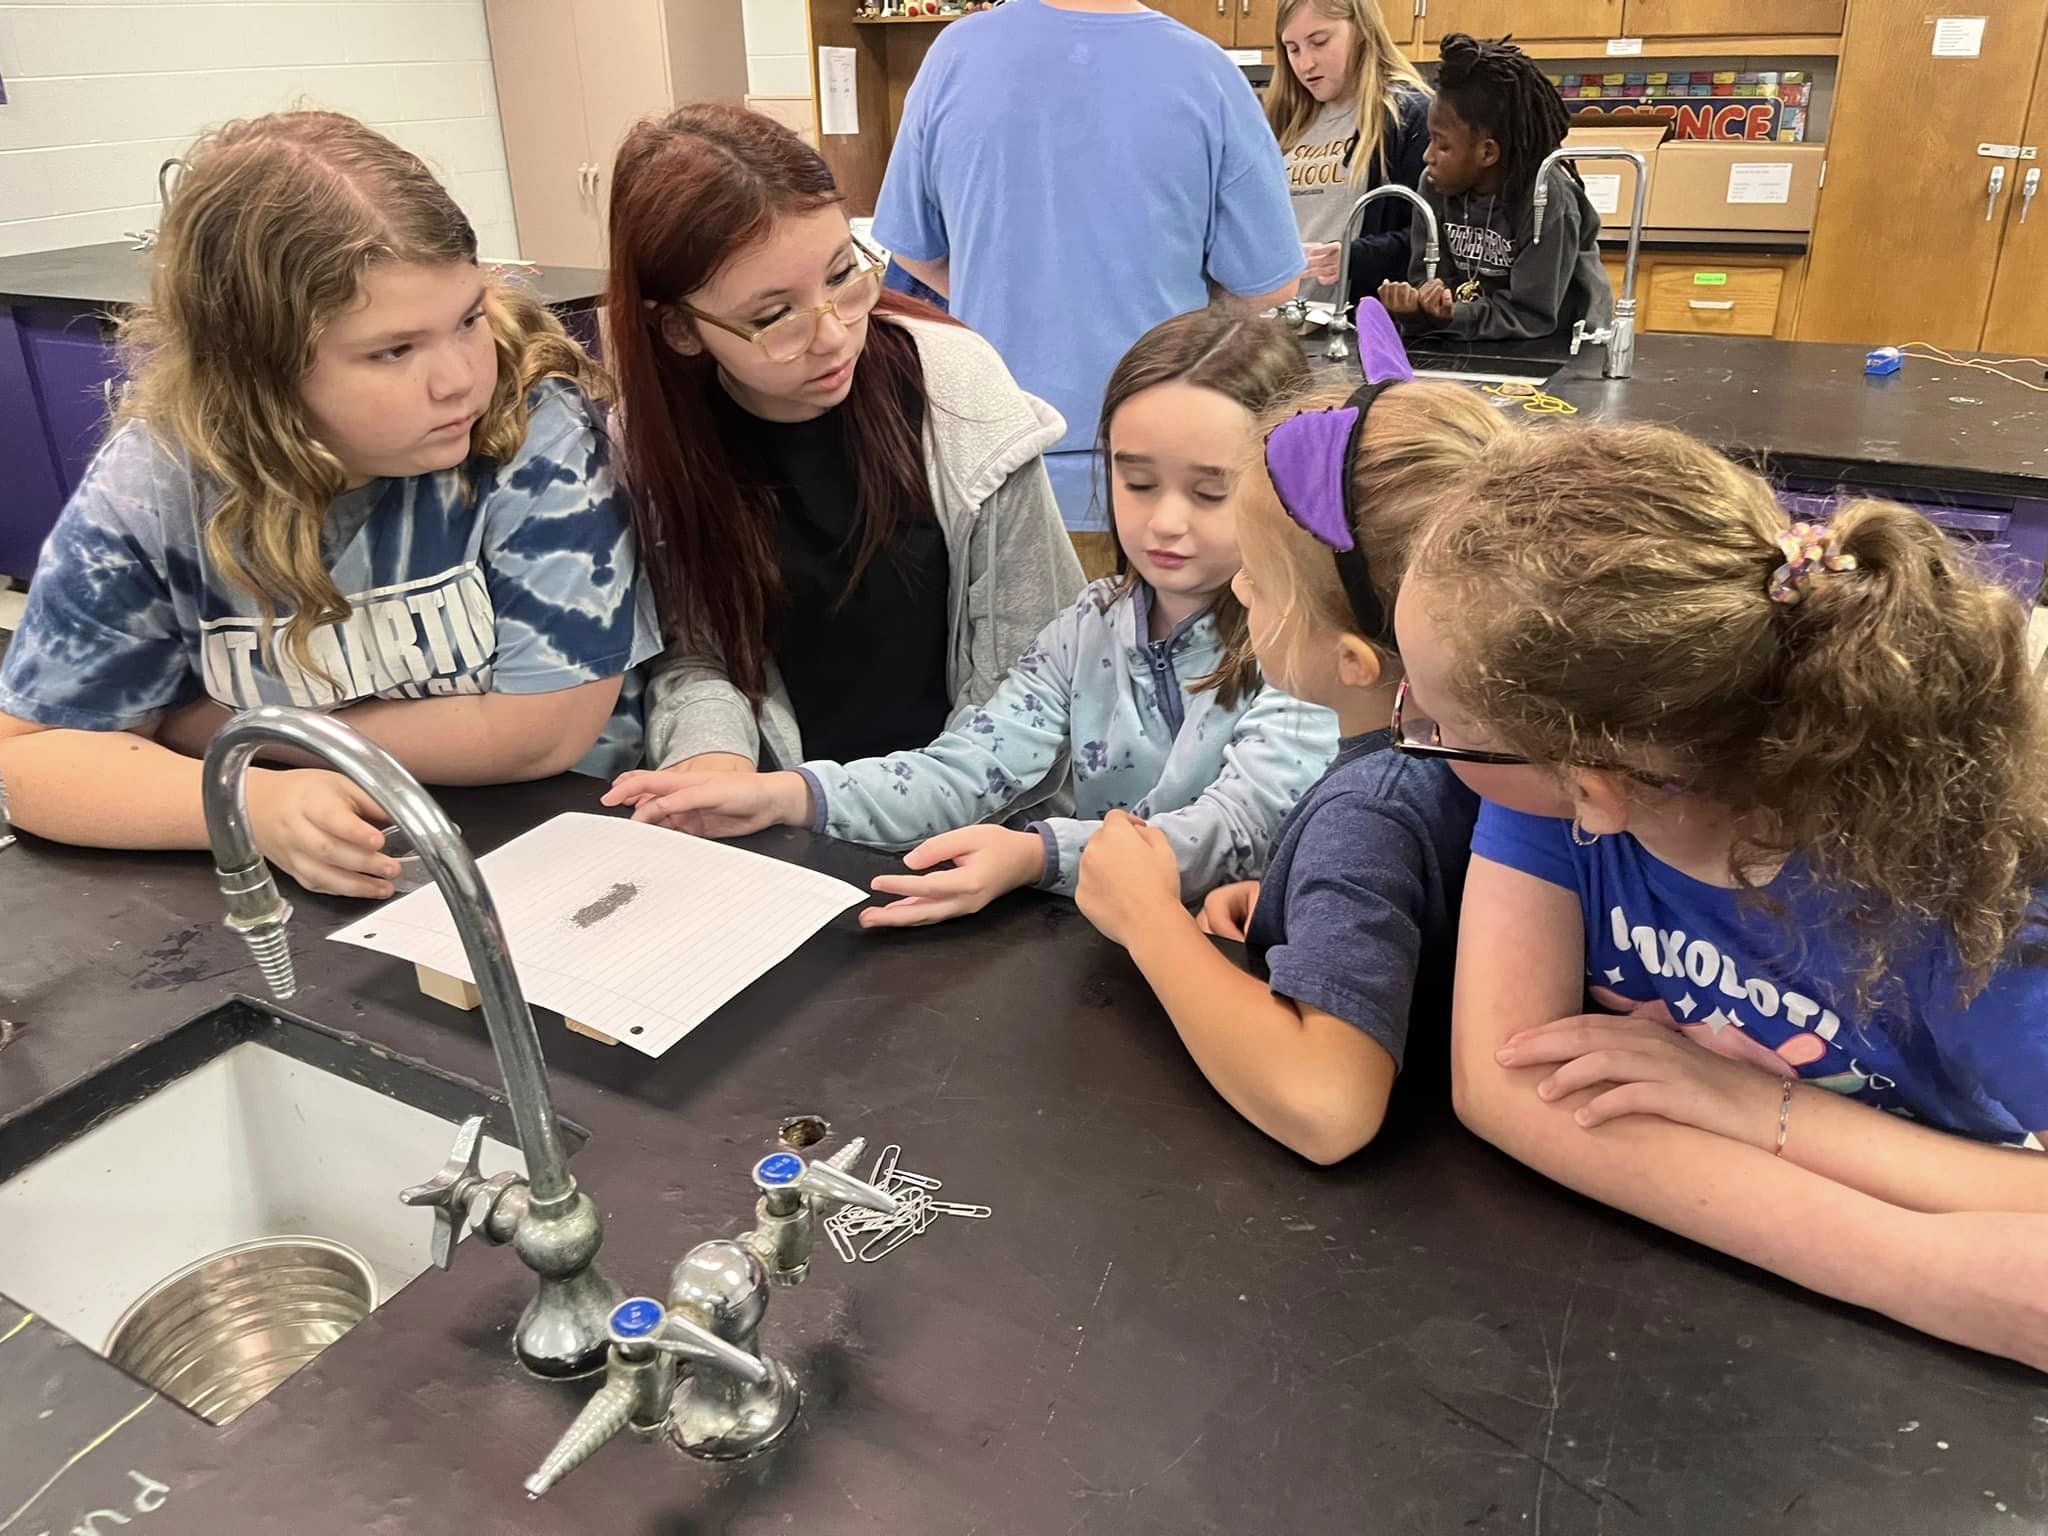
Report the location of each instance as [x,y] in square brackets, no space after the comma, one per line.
[631,929]
[1959,37]
[1603,191]
[1760,182]
[838,90]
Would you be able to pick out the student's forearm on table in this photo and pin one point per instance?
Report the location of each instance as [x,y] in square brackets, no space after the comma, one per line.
[1931,1272]
[1910,1165]
[490,738]
[1255,1048]
[102,789]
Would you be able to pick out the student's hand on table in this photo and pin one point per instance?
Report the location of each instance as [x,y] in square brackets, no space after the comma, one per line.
[1649,1068]
[718,803]
[1130,879]
[322,831]
[1227,913]
[1434,300]
[987,862]
[1399,299]
[1323,259]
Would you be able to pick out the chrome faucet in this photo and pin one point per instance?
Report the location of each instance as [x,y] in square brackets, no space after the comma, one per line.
[145,239]
[1618,338]
[1337,351]
[734,1401]
[552,1225]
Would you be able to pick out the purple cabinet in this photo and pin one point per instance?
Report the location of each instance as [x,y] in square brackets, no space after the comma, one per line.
[30,492]
[57,377]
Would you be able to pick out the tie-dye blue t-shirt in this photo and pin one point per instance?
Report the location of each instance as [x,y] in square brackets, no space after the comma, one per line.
[518,577]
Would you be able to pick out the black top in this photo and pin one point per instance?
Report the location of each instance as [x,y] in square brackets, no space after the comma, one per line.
[865,669]
[1426,1329]
[115,275]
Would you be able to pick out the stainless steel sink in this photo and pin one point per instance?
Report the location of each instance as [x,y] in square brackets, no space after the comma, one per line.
[245,1124]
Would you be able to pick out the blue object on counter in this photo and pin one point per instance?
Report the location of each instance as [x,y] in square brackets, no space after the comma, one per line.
[778,1169]
[1884,360]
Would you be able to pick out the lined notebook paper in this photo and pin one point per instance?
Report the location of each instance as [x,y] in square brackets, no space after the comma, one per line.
[632,929]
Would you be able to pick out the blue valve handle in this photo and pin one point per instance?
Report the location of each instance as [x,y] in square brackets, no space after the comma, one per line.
[635,1318]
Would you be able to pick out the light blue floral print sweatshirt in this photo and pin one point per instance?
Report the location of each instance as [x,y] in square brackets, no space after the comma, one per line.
[1093,693]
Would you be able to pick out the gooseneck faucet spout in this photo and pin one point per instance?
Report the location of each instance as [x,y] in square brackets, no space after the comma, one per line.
[554,1227]
[1337,351]
[1620,337]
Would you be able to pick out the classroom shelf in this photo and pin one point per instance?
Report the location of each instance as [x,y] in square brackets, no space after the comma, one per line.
[906,21]
[1663,48]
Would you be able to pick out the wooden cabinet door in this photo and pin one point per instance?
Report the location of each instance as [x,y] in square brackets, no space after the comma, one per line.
[1401,19]
[547,150]
[2018,318]
[1258,23]
[1733,18]
[1527,19]
[622,55]
[1214,19]
[1903,249]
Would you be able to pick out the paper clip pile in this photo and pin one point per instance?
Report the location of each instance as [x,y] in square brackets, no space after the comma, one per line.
[863,1236]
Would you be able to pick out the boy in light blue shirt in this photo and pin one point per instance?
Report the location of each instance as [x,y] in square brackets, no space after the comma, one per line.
[1071,177]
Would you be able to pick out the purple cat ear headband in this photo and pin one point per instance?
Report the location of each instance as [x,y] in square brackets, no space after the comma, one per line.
[1309,458]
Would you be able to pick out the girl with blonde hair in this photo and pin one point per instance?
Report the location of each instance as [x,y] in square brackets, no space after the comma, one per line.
[356,473]
[1753,938]
[1352,930]
[1351,113]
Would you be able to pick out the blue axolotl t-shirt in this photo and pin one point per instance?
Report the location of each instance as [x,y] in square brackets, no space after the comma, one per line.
[1772,990]
[518,577]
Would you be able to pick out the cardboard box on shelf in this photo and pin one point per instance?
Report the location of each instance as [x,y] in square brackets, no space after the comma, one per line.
[1611,184]
[1736,186]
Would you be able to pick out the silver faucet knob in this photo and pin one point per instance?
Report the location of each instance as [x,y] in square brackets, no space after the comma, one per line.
[785,1172]
[448,1192]
[642,1323]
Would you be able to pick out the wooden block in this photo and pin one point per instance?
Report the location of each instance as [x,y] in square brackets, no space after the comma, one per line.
[452,990]
[594,1034]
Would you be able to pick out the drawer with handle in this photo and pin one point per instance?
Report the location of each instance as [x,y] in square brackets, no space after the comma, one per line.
[1716,301]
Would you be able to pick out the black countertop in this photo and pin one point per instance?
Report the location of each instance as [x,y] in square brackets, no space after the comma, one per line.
[115,275]
[1802,408]
[1170,1325]
[1792,408]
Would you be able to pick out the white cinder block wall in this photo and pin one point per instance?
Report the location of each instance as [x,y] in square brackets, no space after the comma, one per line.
[778,47]
[99,93]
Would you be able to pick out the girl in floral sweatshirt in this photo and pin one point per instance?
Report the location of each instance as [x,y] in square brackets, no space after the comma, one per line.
[1145,691]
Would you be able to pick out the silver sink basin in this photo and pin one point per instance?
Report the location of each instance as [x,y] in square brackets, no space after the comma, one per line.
[243,1125]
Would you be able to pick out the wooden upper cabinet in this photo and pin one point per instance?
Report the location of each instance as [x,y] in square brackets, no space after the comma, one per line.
[1528,20]
[1257,21]
[1401,18]
[1214,19]
[547,151]
[2018,318]
[1733,18]
[1906,241]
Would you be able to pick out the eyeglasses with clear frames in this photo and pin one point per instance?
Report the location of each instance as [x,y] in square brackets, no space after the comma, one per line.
[789,337]
[1422,738]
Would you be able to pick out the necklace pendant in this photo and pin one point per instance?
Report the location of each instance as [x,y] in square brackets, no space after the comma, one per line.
[1468,291]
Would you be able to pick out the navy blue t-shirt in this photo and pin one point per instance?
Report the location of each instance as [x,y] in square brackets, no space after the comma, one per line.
[1772,990]
[1358,911]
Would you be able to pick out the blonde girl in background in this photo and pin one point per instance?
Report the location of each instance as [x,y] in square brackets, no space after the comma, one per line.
[355,473]
[1775,798]
[1352,932]
[1144,689]
[1351,113]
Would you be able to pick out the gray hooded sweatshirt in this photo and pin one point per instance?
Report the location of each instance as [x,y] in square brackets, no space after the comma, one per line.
[1012,565]
[1526,290]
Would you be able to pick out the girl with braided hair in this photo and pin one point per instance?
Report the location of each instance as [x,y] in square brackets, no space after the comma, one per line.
[1494,119]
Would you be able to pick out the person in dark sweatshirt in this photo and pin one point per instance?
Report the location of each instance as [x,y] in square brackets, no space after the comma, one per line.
[1494,119]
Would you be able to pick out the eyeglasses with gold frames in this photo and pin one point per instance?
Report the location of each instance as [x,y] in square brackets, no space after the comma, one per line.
[788,337]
